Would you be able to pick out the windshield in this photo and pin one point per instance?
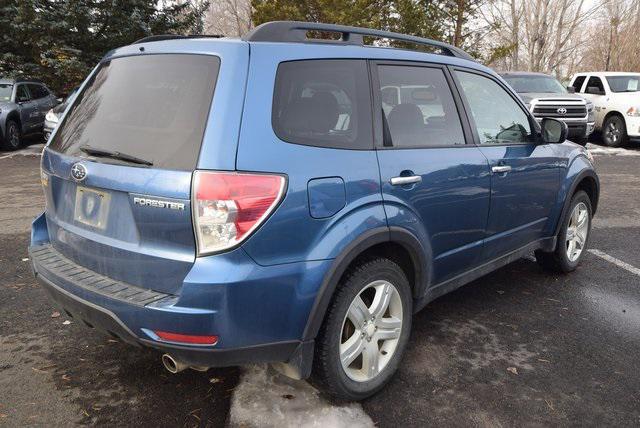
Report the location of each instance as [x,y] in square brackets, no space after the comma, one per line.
[629,83]
[152,107]
[5,92]
[540,84]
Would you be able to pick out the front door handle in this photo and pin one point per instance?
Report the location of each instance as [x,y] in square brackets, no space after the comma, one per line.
[402,180]
[500,169]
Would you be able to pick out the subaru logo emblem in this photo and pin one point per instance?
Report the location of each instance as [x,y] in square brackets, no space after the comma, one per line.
[78,172]
[562,110]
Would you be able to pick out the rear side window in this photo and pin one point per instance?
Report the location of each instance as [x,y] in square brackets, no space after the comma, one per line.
[153,107]
[418,107]
[37,91]
[323,103]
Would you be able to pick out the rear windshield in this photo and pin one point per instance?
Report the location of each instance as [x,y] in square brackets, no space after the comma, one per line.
[152,107]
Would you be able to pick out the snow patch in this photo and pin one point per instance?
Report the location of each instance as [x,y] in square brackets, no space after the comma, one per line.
[614,151]
[265,398]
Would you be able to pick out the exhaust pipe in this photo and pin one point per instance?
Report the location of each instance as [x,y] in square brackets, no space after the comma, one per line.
[175,366]
[172,365]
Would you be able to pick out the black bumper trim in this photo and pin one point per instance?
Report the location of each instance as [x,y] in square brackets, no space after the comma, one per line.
[48,259]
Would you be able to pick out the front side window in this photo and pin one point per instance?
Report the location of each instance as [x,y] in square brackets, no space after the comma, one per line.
[152,107]
[595,82]
[22,94]
[323,103]
[577,84]
[418,107]
[498,118]
[624,83]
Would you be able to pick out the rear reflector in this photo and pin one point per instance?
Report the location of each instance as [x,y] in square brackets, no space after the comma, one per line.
[228,206]
[187,338]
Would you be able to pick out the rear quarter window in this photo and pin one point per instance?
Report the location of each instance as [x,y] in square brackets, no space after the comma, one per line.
[154,107]
[324,103]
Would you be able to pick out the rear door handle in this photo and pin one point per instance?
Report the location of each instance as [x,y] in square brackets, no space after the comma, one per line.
[500,169]
[400,181]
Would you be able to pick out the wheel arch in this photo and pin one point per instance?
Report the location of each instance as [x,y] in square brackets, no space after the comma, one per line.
[588,181]
[15,116]
[395,243]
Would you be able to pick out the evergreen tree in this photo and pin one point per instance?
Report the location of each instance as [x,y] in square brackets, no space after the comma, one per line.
[60,41]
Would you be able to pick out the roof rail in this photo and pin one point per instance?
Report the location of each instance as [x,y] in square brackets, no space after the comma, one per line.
[296,31]
[161,37]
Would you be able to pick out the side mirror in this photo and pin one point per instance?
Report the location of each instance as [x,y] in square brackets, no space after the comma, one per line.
[554,131]
[594,90]
[571,89]
[59,100]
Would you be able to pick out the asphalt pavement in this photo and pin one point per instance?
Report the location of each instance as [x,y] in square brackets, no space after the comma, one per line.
[518,347]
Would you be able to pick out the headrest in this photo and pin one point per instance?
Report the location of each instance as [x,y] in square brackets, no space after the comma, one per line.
[318,113]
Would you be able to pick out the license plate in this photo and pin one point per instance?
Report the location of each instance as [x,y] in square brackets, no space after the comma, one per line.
[92,207]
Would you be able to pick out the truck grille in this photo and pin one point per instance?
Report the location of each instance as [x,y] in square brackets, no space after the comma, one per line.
[573,111]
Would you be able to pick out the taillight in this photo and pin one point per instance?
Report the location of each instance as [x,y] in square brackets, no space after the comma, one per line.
[228,206]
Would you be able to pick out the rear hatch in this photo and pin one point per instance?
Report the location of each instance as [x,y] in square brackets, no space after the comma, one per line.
[119,168]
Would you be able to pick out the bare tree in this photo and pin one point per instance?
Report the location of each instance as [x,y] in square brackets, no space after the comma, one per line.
[541,35]
[228,17]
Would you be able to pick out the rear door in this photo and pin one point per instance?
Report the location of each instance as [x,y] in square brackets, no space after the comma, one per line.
[525,175]
[433,183]
[42,102]
[120,167]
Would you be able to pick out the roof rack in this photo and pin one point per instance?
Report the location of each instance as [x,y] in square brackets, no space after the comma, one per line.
[161,37]
[296,31]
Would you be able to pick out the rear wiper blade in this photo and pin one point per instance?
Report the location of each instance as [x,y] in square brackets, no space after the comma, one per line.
[114,155]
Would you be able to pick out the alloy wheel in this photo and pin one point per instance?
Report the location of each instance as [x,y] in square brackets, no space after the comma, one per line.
[371,331]
[13,136]
[613,132]
[577,231]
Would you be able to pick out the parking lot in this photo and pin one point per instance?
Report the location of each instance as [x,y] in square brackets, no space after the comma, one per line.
[519,347]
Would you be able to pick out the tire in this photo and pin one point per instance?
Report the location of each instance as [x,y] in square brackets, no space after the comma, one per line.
[13,136]
[564,259]
[614,132]
[367,281]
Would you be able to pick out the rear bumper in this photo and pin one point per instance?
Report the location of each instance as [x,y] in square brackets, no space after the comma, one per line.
[103,318]
[258,312]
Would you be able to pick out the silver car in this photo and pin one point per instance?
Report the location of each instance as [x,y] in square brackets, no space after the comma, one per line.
[23,106]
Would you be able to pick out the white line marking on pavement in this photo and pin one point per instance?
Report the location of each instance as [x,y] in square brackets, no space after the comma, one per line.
[265,398]
[624,265]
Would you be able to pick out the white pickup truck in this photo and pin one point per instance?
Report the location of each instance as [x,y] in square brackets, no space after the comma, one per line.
[616,100]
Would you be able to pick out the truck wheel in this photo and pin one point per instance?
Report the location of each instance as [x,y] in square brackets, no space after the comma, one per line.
[13,136]
[572,238]
[365,331]
[614,132]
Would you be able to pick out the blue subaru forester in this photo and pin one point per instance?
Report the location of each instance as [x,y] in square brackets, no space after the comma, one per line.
[289,200]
